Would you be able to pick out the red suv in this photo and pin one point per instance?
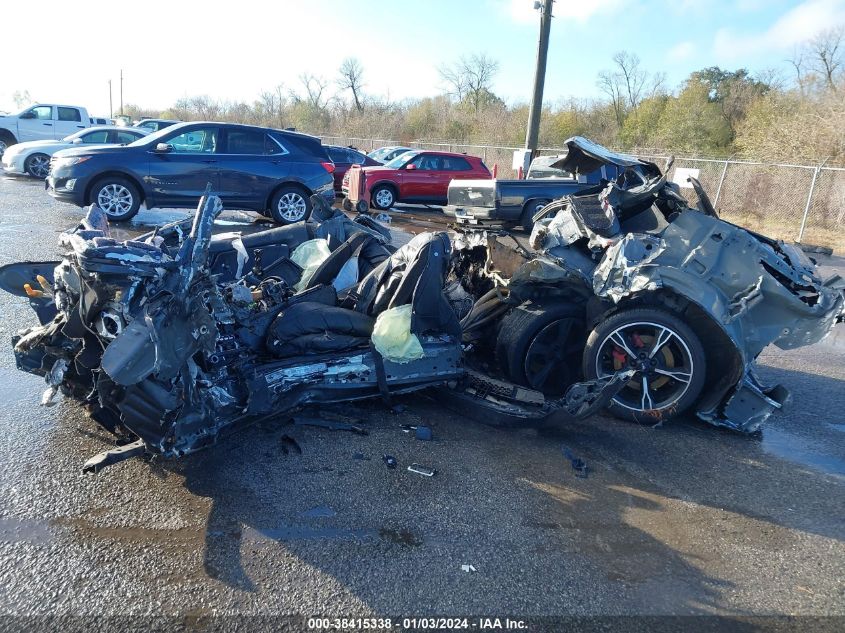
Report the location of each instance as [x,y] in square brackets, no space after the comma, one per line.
[419,176]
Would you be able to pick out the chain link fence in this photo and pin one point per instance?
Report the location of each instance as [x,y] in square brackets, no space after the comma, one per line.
[795,203]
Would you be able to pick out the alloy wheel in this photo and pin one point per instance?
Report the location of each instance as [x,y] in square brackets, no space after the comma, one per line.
[661,358]
[39,166]
[115,200]
[384,198]
[292,207]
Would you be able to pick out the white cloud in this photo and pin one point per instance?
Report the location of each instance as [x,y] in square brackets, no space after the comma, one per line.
[522,11]
[793,27]
[681,51]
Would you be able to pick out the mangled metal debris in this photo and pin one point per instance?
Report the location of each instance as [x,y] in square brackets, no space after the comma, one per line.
[634,278]
[168,346]
[633,301]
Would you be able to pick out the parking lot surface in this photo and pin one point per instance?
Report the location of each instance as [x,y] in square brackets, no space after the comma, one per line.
[679,519]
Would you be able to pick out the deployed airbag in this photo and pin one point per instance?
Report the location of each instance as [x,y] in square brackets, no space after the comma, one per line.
[392,336]
[309,256]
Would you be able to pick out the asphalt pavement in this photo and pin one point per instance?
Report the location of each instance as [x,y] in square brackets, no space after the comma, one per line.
[680,519]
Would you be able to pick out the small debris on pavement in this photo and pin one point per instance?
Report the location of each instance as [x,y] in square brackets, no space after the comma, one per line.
[578,464]
[390,460]
[468,568]
[424,433]
[425,471]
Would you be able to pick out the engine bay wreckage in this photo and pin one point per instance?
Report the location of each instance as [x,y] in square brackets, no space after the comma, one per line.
[629,300]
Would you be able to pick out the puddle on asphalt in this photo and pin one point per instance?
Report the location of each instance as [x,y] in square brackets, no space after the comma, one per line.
[20,530]
[797,449]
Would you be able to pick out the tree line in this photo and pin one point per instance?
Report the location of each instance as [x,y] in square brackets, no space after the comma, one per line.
[715,112]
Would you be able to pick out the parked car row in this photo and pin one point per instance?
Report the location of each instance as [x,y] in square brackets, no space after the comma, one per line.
[273,172]
[50,121]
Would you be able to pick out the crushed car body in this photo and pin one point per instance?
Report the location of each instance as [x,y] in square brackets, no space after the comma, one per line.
[629,299]
[175,338]
[684,298]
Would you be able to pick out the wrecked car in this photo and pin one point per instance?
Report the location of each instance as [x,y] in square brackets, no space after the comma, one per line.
[631,299]
[179,336]
[628,275]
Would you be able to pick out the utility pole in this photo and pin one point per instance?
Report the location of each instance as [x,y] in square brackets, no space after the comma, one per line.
[121,92]
[545,7]
[111,107]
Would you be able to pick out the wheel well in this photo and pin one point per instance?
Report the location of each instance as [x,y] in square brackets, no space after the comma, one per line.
[724,362]
[118,174]
[386,183]
[529,203]
[294,184]
[6,134]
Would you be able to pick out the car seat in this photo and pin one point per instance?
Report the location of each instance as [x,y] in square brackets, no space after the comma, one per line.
[415,274]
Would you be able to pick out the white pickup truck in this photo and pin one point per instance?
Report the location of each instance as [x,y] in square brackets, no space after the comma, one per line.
[42,121]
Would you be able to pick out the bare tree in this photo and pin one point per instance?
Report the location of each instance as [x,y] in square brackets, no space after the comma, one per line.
[21,98]
[314,88]
[798,63]
[351,78]
[628,84]
[633,77]
[826,51]
[608,83]
[471,78]
[271,105]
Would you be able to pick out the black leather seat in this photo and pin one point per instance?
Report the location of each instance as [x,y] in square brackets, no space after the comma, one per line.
[414,274]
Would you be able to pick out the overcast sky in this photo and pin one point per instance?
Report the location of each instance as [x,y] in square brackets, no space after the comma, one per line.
[66,52]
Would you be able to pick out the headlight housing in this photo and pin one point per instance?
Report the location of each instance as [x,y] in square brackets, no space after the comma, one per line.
[67,161]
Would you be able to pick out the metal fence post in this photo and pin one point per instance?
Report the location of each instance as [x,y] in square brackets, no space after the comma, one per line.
[809,200]
[721,181]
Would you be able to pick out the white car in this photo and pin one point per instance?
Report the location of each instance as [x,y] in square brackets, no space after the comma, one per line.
[33,157]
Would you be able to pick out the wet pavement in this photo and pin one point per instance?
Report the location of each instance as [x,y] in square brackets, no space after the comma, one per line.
[673,520]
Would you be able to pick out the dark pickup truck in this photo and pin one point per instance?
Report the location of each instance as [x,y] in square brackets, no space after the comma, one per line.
[515,202]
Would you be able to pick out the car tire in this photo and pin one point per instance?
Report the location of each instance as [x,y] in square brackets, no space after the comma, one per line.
[540,345]
[37,165]
[383,197]
[669,379]
[118,197]
[526,220]
[290,204]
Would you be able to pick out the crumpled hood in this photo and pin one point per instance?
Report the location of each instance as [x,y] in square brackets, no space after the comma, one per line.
[583,156]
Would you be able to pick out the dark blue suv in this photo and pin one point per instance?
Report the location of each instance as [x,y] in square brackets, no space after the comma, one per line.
[270,171]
